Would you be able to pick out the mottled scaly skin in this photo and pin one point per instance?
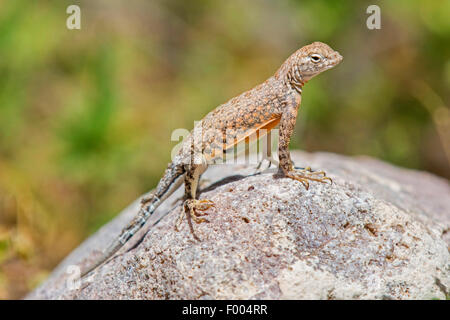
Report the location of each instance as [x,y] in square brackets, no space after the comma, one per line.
[275,101]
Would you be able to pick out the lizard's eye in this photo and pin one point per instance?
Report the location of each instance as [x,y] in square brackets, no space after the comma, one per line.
[315,58]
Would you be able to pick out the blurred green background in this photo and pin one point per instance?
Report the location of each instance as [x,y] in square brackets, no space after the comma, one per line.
[86,115]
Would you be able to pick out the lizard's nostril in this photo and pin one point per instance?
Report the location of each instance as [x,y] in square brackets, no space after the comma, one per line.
[337,57]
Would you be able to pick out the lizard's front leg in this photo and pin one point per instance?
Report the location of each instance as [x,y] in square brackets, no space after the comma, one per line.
[192,205]
[287,124]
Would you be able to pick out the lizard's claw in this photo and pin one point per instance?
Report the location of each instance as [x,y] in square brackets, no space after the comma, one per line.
[191,210]
[305,174]
[147,198]
[201,205]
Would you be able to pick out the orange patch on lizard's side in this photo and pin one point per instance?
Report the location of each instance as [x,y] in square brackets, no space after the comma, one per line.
[251,134]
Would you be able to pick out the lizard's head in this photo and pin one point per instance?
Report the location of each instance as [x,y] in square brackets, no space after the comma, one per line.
[315,58]
[308,62]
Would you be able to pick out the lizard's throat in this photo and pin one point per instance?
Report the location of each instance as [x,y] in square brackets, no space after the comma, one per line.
[295,79]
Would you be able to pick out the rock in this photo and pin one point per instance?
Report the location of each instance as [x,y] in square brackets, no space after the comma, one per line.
[378,232]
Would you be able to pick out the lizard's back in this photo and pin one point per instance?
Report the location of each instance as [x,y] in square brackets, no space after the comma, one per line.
[240,118]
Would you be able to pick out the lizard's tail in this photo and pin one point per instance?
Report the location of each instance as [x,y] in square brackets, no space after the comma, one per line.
[166,186]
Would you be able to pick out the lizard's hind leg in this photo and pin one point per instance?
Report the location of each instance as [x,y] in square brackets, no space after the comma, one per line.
[192,205]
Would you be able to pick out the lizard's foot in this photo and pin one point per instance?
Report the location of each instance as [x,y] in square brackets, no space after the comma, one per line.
[191,210]
[147,198]
[305,174]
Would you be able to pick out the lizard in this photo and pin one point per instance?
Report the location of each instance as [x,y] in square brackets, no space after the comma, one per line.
[273,102]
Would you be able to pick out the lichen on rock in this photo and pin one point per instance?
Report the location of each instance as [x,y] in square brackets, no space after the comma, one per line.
[378,232]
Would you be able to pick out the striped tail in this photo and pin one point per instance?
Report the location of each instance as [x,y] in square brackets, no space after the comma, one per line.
[165,188]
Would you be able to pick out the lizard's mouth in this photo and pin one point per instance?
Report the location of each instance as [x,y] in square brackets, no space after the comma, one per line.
[335,61]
